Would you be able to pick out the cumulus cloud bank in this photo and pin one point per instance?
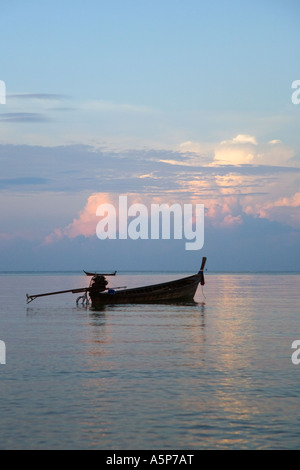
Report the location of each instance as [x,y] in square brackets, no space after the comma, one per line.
[233,178]
[241,177]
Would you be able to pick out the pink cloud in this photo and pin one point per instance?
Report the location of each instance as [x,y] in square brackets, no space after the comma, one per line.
[86,222]
[293,201]
[285,210]
[224,213]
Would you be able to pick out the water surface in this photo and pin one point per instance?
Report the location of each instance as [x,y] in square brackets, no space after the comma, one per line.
[215,375]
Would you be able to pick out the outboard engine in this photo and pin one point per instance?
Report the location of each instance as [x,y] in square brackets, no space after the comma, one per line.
[98,283]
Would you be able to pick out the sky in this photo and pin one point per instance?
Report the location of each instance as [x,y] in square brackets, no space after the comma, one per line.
[167,102]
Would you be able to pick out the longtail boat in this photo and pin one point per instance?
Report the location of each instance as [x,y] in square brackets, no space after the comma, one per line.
[181,290]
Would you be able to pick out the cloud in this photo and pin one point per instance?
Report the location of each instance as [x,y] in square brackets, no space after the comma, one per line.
[200,149]
[149,175]
[110,106]
[244,149]
[224,213]
[38,96]
[221,213]
[24,117]
[293,201]
[241,139]
[238,151]
[285,210]
[13,182]
[265,188]
[85,223]
[87,220]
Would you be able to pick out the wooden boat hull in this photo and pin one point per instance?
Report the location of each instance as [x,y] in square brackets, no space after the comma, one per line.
[182,290]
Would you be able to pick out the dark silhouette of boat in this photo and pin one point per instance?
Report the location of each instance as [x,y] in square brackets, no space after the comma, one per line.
[180,290]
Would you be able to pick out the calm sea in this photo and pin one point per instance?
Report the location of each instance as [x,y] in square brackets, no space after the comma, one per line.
[215,375]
